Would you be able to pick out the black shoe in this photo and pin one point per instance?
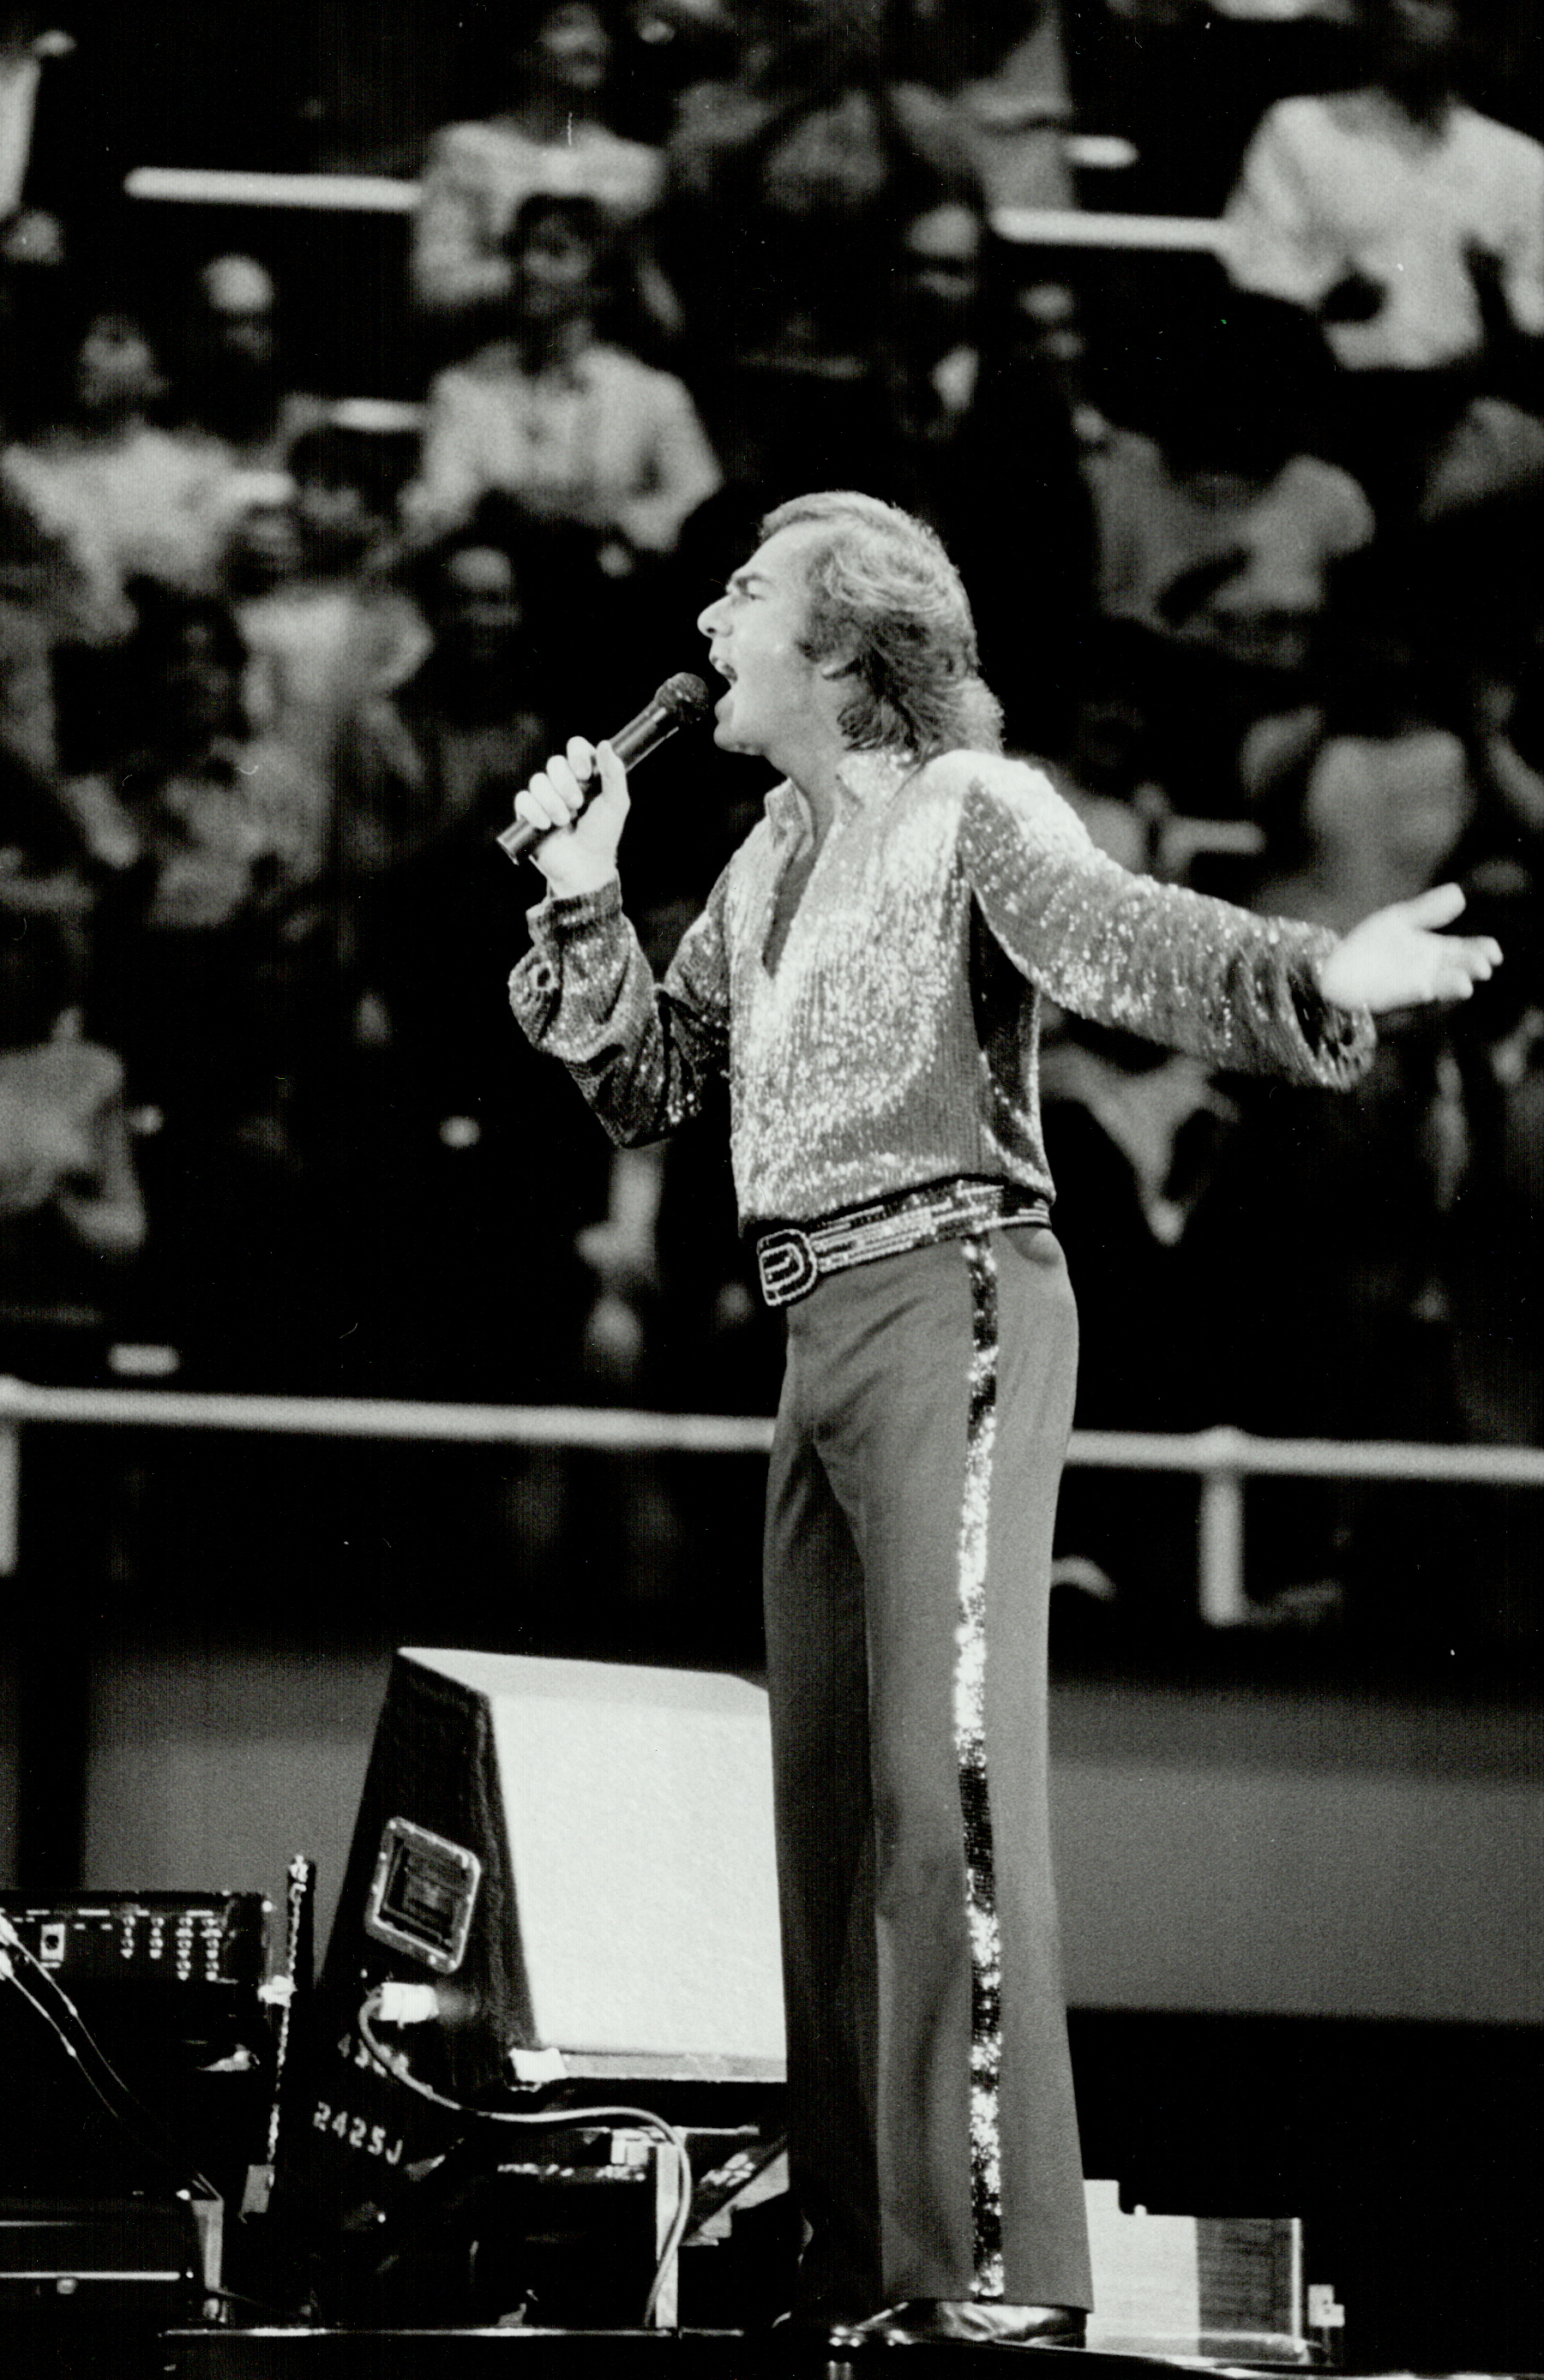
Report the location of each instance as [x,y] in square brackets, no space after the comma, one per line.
[969,2321]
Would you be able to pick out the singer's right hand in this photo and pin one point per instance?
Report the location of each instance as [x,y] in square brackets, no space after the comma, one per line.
[579,853]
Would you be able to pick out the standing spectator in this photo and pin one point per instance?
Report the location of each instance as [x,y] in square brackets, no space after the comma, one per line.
[552,134]
[1411,229]
[574,427]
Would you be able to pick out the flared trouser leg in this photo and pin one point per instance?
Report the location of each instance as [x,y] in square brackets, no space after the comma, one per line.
[919,1443]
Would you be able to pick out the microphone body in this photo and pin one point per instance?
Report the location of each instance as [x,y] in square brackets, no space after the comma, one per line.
[678,703]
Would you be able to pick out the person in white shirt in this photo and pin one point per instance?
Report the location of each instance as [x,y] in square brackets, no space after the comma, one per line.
[1412,227]
[553,134]
[577,430]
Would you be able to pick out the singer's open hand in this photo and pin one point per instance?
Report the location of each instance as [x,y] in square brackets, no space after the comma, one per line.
[578,854]
[1399,957]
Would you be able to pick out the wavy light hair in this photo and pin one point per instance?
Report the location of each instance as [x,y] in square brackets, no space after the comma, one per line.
[882,586]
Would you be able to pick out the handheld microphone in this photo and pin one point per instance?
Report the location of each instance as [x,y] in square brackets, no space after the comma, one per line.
[680,700]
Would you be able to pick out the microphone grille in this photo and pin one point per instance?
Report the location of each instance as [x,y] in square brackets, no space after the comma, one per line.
[686,696]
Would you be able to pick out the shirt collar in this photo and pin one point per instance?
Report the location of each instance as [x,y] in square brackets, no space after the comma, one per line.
[863,781]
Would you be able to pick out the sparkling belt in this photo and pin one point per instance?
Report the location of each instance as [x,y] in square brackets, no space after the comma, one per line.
[790,1258]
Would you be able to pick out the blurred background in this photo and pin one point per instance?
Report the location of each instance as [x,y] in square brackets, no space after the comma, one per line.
[383,391]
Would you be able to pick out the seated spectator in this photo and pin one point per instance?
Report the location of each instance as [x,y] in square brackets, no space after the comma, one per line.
[460,1148]
[231,384]
[575,429]
[217,837]
[44,602]
[308,574]
[1003,63]
[1132,1136]
[428,766]
[1412,229]
[1219,537]
[47,856]
[1508,702]
[71,1206]
[553,134]
[96,473]
[987,451]
[213,972]
[1369,795]
[790,190]
[34,286]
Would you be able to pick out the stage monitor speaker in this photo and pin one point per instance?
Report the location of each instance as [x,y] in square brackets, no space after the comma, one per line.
[577,1859]
[584,1847]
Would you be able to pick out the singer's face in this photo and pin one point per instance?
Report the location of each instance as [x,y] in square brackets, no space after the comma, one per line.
[754,631]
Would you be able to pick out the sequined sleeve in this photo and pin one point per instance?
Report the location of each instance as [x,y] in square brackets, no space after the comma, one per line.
[642,1053]
[1179,967]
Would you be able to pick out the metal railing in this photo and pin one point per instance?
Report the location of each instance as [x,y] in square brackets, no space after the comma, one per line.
[1222,1461]
[375,194]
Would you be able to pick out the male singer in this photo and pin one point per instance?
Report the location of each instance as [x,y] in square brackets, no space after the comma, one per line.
[867,972]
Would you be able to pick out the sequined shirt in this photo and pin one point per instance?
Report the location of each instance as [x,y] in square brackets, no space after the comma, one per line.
[892,1041]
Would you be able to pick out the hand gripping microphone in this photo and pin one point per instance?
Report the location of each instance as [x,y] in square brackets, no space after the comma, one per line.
[680,700]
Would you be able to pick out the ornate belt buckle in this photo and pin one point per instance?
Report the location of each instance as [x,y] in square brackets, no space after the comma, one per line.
[785,1265]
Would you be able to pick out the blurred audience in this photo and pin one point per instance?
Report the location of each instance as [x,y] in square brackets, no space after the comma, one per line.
[62,158]
[1254,570]
[985,446]
[551,66]
[98,473]
[1412,229]
[458,1145]
[232,387]
[307,572]
[1369,796]
[1003,65]
[214,971]
[427,767]
[791,190]
[1220,533]
[573,427]
[71,1212]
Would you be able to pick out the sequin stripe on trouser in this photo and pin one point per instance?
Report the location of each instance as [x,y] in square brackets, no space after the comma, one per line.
[970,1750]
[894,1511]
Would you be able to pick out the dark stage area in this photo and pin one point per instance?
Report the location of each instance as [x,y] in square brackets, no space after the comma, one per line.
[1407,2151]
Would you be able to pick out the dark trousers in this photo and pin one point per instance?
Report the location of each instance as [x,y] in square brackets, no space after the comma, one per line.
[924,1420]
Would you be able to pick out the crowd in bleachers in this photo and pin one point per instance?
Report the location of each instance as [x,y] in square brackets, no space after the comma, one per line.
[1257,571]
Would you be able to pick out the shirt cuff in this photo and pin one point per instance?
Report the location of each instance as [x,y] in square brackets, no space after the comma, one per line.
[563,915]
[1340,1039]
